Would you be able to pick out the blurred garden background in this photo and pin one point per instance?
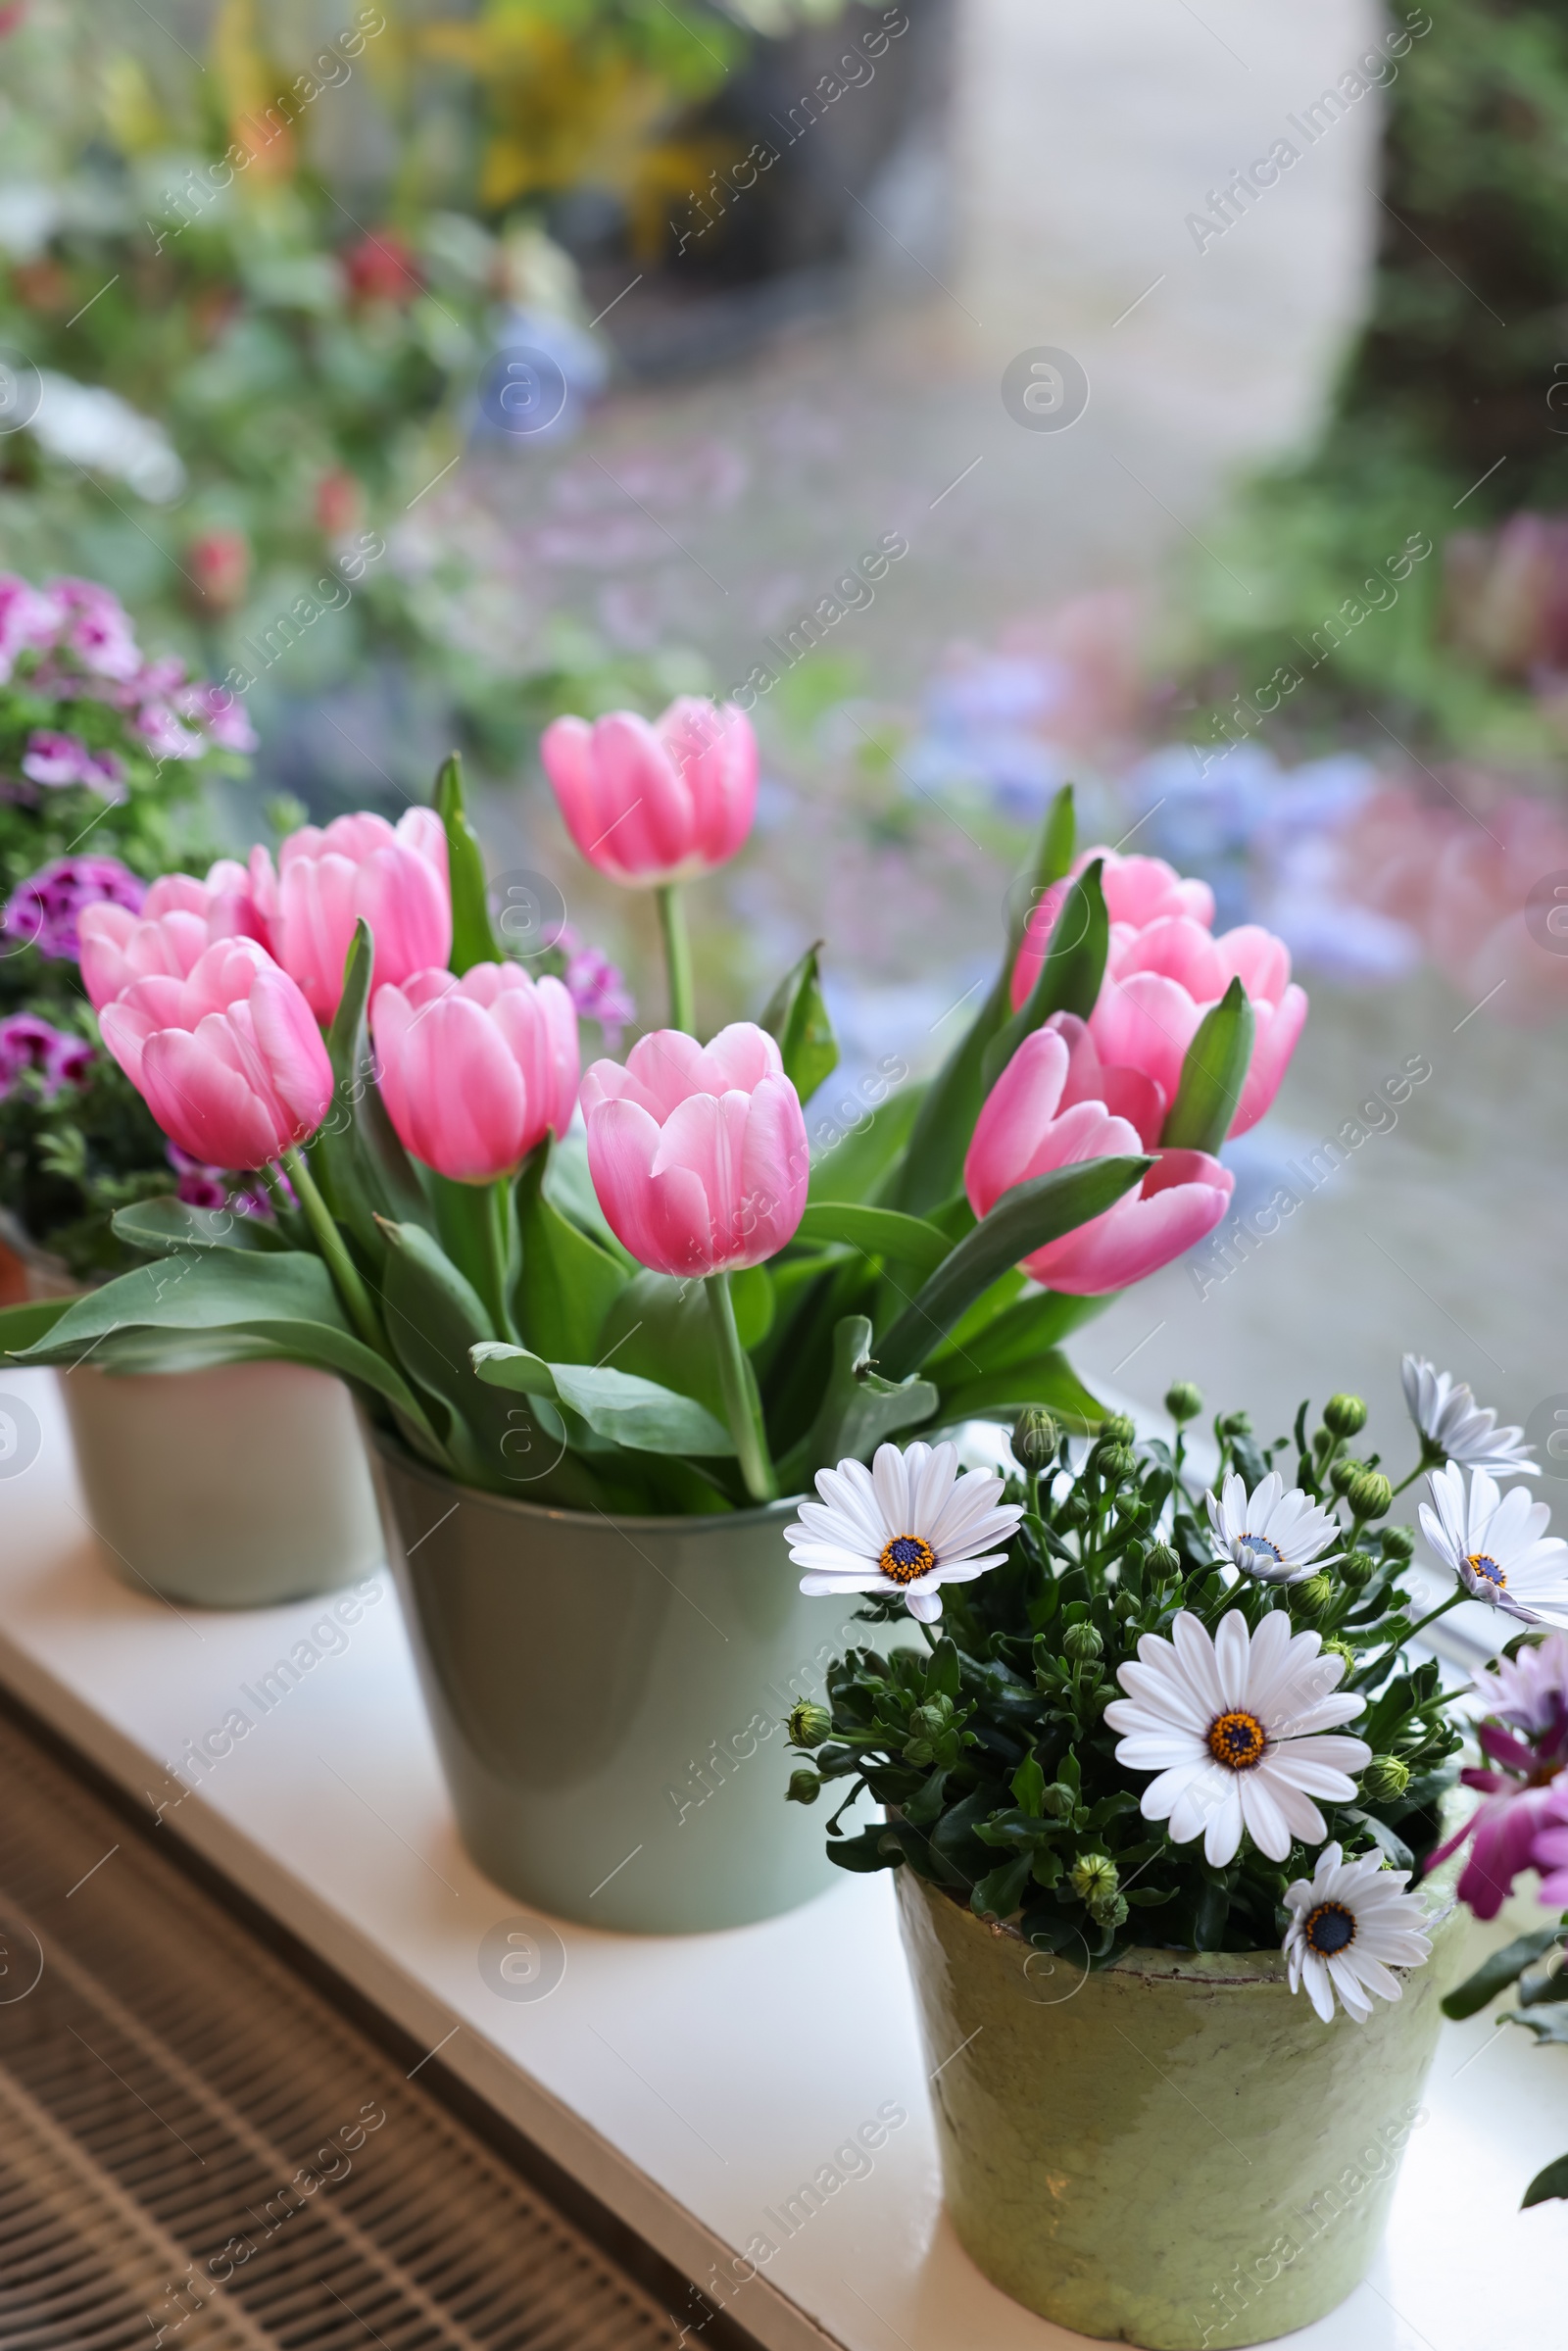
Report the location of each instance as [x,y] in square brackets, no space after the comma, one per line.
[423,371]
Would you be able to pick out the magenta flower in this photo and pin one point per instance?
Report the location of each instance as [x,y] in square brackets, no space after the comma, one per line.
[96,628]
[28,1042]
[219,713]
[698,1152]
[475,1071]
[1525,1740]
[45,909]
[29,621]
[178,920]
[395,876]
[164,735]
[597,988]
[57,759]
[1054,1106]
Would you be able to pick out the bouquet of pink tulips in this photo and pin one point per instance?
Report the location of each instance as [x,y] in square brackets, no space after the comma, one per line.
[631,1289]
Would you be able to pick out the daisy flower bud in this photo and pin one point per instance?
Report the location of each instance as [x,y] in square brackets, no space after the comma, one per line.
[1357,1569]
[1398,1542]
[1116,1463]
[1316,1594]
[1370,1494]
[1058,1801]
[1094,1877]
[804,1788]
[1344,1416]
[1117,1430]
[808,1725]
[1161,1561]
[1036,1438]
[1082,1644]
[1385,1778]
[1183,1401]
[1343,1472]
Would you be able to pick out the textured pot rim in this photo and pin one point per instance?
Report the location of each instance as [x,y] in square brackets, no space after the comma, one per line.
[1176,1965]
[392,1448]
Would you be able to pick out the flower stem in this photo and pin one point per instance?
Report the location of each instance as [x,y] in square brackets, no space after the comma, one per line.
[678,957]
[497,1229]
[329,1241]
[743,1406]
[1453,1601]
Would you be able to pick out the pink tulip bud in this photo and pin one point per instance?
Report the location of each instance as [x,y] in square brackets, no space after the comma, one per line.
[1049,1110]
[698,1153]
[325,880]
[229,1057]
[179,919]
[1165,970]
[475,1071]
[649,805]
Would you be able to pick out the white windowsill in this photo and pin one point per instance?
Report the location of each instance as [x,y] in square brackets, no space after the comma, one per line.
[691,2084]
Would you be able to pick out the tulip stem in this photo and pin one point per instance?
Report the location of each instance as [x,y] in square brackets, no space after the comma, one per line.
[329,1241]
[743,1406]
[678,957]
[497,1231]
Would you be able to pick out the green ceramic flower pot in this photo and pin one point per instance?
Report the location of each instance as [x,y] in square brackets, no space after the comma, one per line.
[1174,2150]
[607,1695]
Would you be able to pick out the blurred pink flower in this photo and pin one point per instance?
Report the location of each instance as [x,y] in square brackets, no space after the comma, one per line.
[29,619]
[45,910]
[1525,1742]
[178,920]
[229,1061]
[1050,1108]
[597,988]
[29,1042]
[1138,891]
[475,1071]
[698,1152]
[395,877]
[60,759]
[96,628]
[655,804]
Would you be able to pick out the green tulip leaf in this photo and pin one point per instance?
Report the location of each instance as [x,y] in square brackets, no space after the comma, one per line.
[638,1414]
[1070,977]
[569,1284]
[853,1162]
[877,1233]
[859,1409]
[474,937]
[1023,1220]
[1213,1074]
[22,1326]
[165,1224]
[1047,1378]
[797,1017]
[356,1154]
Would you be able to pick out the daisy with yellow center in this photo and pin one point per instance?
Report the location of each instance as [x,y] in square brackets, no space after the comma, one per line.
[905,1526]
[1351,1923]
[1497,1545]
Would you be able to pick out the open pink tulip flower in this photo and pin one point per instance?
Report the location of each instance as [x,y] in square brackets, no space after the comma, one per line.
[181,917]
[1165,969]
[229,1057]
[475,1071]
[698,1152]
[1054,1105]
[654,804]
[395,876]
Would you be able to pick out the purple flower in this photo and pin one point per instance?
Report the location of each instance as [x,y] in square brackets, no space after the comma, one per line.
[97,628]
[220,712]
[597,988]
[1525,1740]
[42,911]
[29,621]
[165,735]
[57,759]
[28,1042]
[204,1187]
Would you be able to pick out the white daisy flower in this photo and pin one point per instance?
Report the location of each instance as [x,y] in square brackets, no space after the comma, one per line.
[905,1526]
[1268,1533]
[1498,1548]
[1233,1727]
[1453,1424]
[1351,1921]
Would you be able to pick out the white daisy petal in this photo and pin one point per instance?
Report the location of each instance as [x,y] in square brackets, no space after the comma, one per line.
[910,1508]
[1270,1535]
[1351,1922]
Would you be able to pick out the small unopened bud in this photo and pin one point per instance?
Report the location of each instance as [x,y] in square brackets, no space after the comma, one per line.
[1385,1778]
[1236,1424]
[1334,1646]
[1057,1800]
[1370,1494]
[1183,1401]
[1161,1561]
[1036,1438]
[1398,1542]
[1344,1416]
[1116,1463]
[808,1725]
[1357,1569]
[1316,1594]
[1094,1877]
[1082,1644]
[804,1788]
[1116,1429]
[1343,1472]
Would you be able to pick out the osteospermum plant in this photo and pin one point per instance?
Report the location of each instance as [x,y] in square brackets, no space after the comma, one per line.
[1169,1714]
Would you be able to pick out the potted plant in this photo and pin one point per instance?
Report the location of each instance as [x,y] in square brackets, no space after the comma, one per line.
[1166,1765]
[102,753]
[598,1356]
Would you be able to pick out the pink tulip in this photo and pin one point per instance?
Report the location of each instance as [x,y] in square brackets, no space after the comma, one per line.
[1165,970]
[325,880]
[179,919]
[228,1057]
[654,804]
[475,1071]
[698,1152]
[1044,1112]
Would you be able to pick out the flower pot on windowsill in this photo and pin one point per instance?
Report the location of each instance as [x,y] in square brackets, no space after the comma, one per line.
[1173,2150]
[235,1485]
[607,1695]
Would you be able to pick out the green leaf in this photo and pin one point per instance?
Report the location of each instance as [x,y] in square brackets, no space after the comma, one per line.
[433,1316]
[797,1018]
[617,1404]
[1550,2183]
[1046,1379]
[357,1153]
[1000,1892]
[1022,1221]
[1496,1973]
[1029,1787]
[1386,1840]
[22,1326]
[569,1284]
[570,1186]
[1212,1076]
[853,1167]
[1015,1333]
[1070,977]
[474,937]
[877,1233]
[165,1224]
[662,1329]
[860,1410]
[934,1160]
